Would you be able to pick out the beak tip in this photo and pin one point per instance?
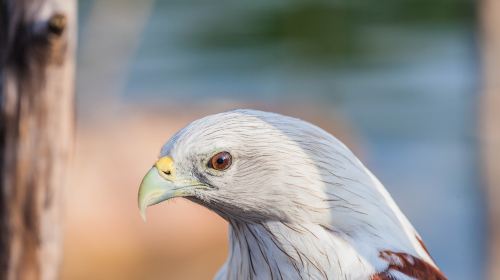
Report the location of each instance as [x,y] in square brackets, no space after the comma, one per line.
[153,189]
[143,213]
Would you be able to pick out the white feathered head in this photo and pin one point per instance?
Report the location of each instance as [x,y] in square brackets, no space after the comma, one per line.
[263,169]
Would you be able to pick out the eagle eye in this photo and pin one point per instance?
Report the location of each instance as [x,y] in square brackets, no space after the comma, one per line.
[220,161]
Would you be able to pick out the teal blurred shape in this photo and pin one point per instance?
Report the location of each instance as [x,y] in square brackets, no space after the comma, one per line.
[317,30]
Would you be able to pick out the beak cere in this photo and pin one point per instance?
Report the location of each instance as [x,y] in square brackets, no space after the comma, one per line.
[166,166]
[158,185]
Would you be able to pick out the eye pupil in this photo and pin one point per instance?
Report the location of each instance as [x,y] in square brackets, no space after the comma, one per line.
[220,161]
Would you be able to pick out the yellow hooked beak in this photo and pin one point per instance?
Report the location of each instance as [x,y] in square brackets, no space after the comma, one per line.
[159,185]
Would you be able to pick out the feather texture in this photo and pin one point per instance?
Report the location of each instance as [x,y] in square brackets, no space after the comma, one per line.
[299,203]
[408,265]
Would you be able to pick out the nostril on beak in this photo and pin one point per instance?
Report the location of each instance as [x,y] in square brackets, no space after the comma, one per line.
[165,166]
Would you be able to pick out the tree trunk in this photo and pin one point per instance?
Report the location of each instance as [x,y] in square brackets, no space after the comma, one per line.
[490,123]
[37,42]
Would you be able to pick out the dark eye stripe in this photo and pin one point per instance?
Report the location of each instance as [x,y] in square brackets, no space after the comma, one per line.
[220,161]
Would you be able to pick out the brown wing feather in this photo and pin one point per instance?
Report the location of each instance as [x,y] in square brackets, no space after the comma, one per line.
[408,265]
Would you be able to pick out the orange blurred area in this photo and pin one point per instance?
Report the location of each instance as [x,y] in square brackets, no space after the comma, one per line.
[105,236]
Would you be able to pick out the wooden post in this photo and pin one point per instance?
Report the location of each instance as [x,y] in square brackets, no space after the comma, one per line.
[37,59]
[490,123]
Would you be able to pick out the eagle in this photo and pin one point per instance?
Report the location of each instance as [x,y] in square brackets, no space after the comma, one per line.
[299,203]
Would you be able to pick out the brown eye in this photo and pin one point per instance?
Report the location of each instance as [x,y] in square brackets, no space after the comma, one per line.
[220,161]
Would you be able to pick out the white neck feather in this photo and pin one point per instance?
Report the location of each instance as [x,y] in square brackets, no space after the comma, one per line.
[275,250]
[343,245]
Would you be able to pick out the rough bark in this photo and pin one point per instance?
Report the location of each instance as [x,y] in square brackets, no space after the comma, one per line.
[490,123]
[37,41]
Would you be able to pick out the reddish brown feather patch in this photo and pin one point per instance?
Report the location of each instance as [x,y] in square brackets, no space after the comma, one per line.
[408,265]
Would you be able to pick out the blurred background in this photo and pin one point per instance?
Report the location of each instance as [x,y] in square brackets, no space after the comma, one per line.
[398,81]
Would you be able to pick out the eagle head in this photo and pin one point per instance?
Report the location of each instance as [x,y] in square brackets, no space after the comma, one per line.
[299,203]
[245,165]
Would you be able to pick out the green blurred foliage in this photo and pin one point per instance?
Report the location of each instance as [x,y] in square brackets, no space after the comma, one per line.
[319,29]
